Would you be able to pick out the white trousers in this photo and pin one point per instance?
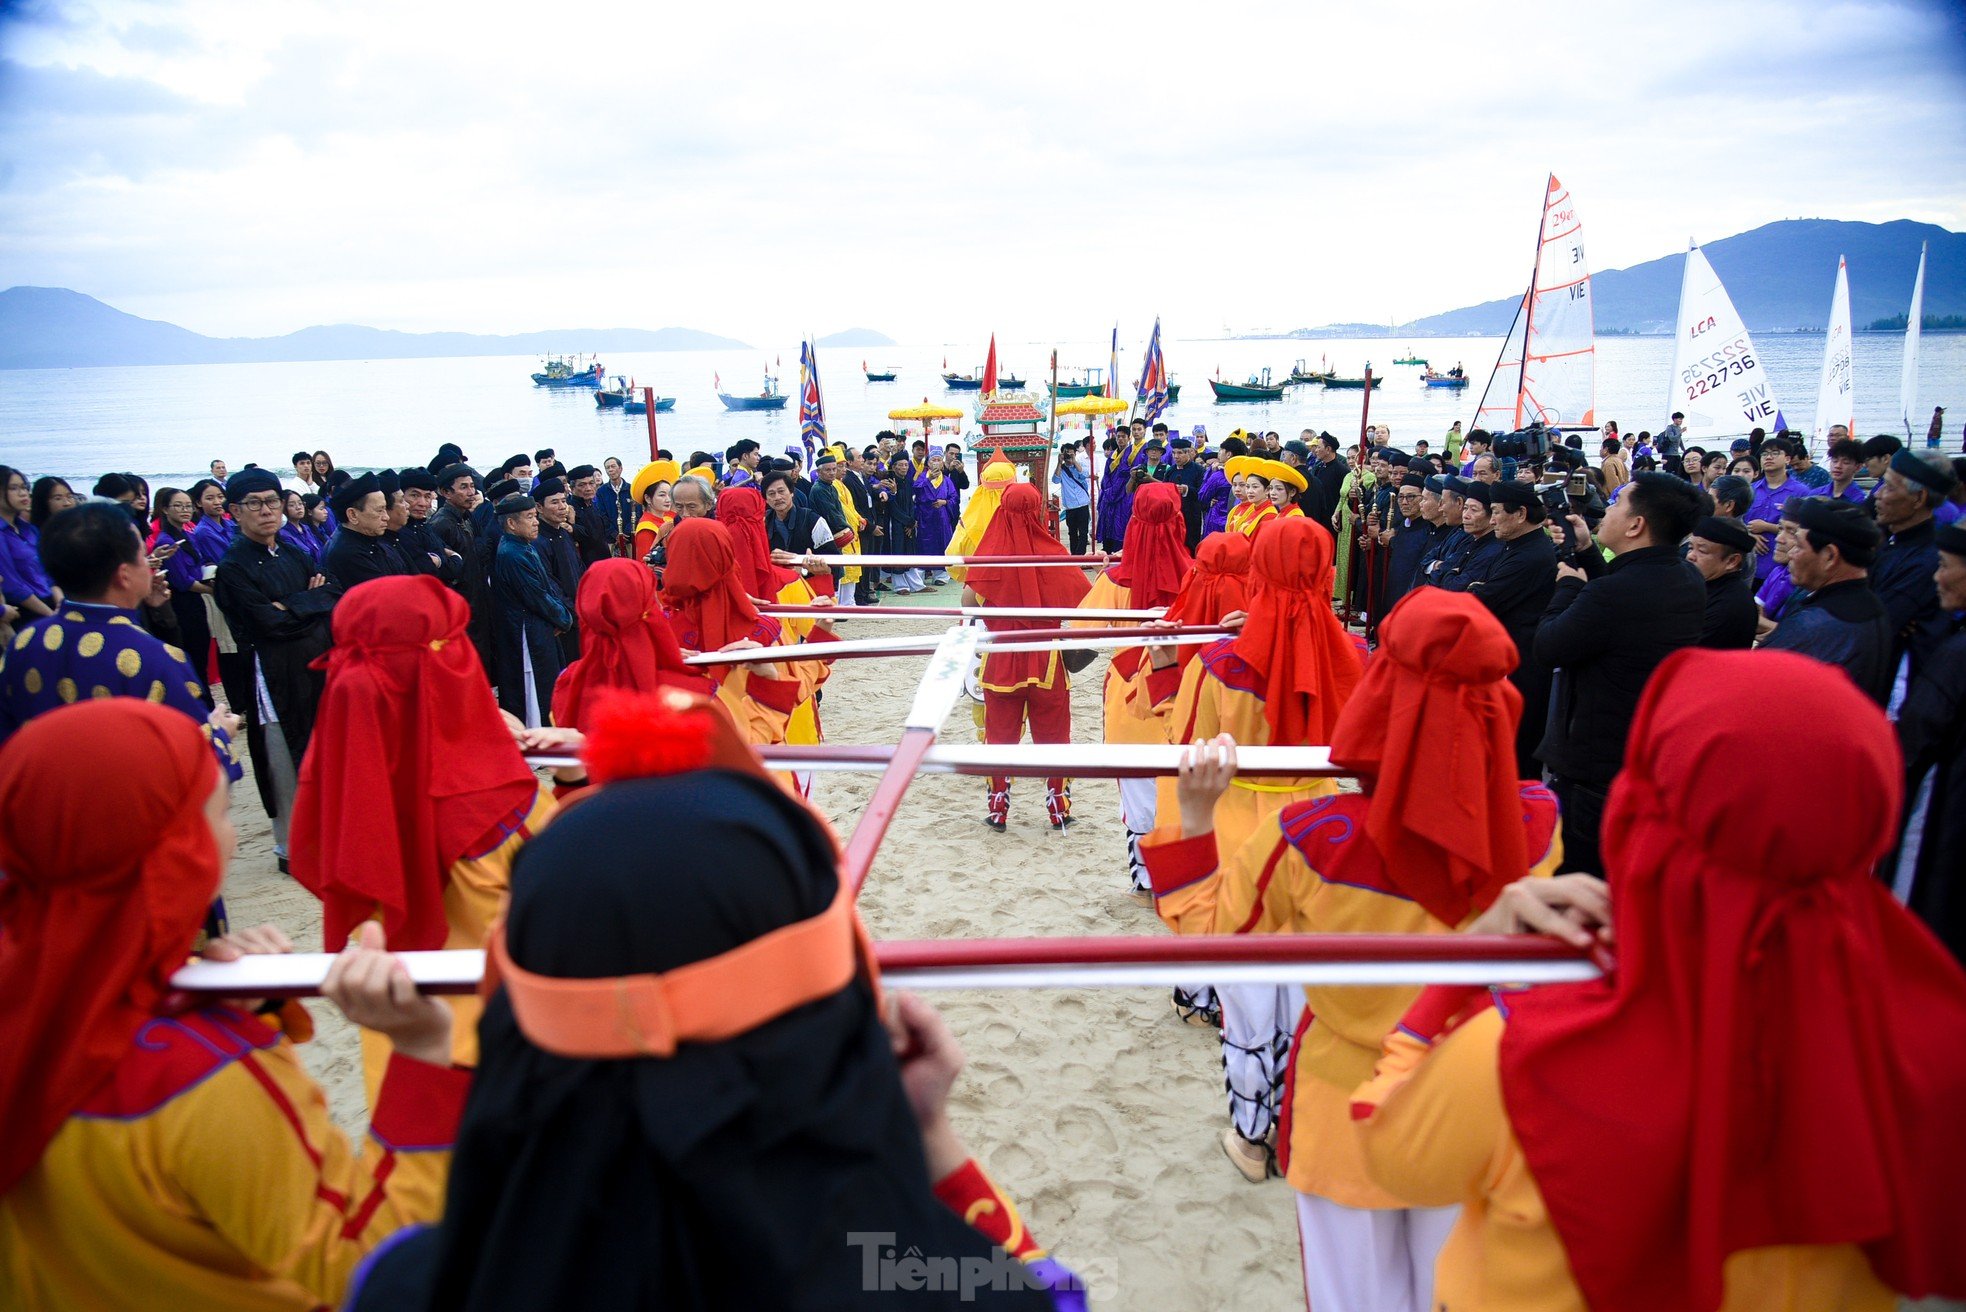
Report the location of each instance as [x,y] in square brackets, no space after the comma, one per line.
[1358,1260]
[1138,804]
[1257,1022]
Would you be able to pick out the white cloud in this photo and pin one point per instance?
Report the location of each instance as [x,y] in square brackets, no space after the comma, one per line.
[933,171]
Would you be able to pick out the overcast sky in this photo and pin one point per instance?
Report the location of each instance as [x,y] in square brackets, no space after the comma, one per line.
[934,171]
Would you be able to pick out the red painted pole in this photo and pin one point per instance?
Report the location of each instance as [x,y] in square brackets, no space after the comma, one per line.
[648,396]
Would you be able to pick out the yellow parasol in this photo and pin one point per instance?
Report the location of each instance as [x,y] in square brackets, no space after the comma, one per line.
[925,412]
[1091,405]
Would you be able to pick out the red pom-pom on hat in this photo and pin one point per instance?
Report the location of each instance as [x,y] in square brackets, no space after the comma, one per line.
[635,735]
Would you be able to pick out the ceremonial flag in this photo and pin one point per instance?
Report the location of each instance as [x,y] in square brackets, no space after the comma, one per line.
[812,411]
[990,368]
[1152,396]
[717,382]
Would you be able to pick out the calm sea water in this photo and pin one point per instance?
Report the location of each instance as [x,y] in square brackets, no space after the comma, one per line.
[167,422]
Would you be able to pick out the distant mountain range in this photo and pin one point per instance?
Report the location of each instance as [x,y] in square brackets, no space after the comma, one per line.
[1779,276]
[54,328]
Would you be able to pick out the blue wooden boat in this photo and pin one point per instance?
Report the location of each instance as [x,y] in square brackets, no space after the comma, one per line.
[769,399]
[663,405]
[1432,379]
[880,375]
[962,382]
[1009,384]
[613,394]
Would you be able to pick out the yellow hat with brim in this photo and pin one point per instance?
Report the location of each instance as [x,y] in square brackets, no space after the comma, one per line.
[1241,466]
[1276,470]
[655,471]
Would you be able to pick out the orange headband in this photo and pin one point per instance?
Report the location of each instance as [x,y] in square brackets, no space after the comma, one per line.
[706,1001]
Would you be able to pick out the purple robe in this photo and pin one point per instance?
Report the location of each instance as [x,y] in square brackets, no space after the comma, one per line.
[1776,591]
[934,525]
[1767,504]
[1216,497]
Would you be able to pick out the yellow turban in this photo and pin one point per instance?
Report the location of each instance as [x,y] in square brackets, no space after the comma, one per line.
[1275,470]
[998,475]
[656,471]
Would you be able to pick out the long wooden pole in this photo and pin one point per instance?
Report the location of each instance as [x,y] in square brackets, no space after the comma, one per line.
[1110,961]
[655,444]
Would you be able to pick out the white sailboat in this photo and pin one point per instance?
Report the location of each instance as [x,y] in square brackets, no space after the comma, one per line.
[1836,401]
[1718,381]
[1908,376]
[1547,372]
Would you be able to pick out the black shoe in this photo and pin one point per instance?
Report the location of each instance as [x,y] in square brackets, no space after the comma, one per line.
[283,865]
[997,823]
[1062,824]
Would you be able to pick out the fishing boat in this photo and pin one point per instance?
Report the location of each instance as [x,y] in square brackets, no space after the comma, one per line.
[561,372]
[768,399]
[1009,384]
[1173,393]
[1356,384]
[1258,388]
[613,394]
[663,405]
[1300,374]
[879,375]
[962,382]
[1087,382]
[1547,370]
[1410,358]
[1452,378]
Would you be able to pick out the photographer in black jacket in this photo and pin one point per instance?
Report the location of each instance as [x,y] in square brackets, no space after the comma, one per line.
[1607,628]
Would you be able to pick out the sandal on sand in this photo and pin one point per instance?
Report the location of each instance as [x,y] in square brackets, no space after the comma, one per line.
[1255,1160]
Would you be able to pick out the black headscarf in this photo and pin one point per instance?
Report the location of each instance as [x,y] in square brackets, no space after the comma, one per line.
[728,1175]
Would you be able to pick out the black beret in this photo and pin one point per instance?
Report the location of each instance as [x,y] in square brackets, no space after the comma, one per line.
[1951,539]
[547,487]
[353,493]
[418,479]
[1455,484]
[1181,444]
[825,458]
[544,453]
[1397,458]
[1727,531]
[504,487]
[248,481]
[1438,483]
[519,459]
[1842,522]
[389,483]
[1476,490]
[1413,480]
[450,453]
[1938,478]
[449,474]
[516,504]
[1517,496]
[579,472]
[1301,450]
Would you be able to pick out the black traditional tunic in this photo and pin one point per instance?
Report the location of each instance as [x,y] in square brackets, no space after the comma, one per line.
[353,558]
[529,612]
[559,552]
[282,625]
[1732,616]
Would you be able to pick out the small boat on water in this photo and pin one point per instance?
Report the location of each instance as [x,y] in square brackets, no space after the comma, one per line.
[561,371]
[1452,378]
[1300,374]
[962,382]
[878,375]
[1356,384]
[1258,388]
[1410,358]
[638,406]
[1173,393]
[768,399]
[613,394]
[1009,384]
[1086,382]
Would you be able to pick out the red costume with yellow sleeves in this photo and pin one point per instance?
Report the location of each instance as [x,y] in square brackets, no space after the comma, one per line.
[1026,687]
[1409,856]
[413,800]
[154,1158]
[1154,562]
[1759,1109]
[710,609]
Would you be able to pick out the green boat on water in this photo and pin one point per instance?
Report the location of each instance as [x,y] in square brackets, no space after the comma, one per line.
[1355,383]
[1410,358]
[1066,391]
[1258,388]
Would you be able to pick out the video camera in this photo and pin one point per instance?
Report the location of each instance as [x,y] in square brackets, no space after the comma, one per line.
[1532,443]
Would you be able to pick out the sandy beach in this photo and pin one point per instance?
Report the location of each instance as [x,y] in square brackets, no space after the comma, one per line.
[1097,1111]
